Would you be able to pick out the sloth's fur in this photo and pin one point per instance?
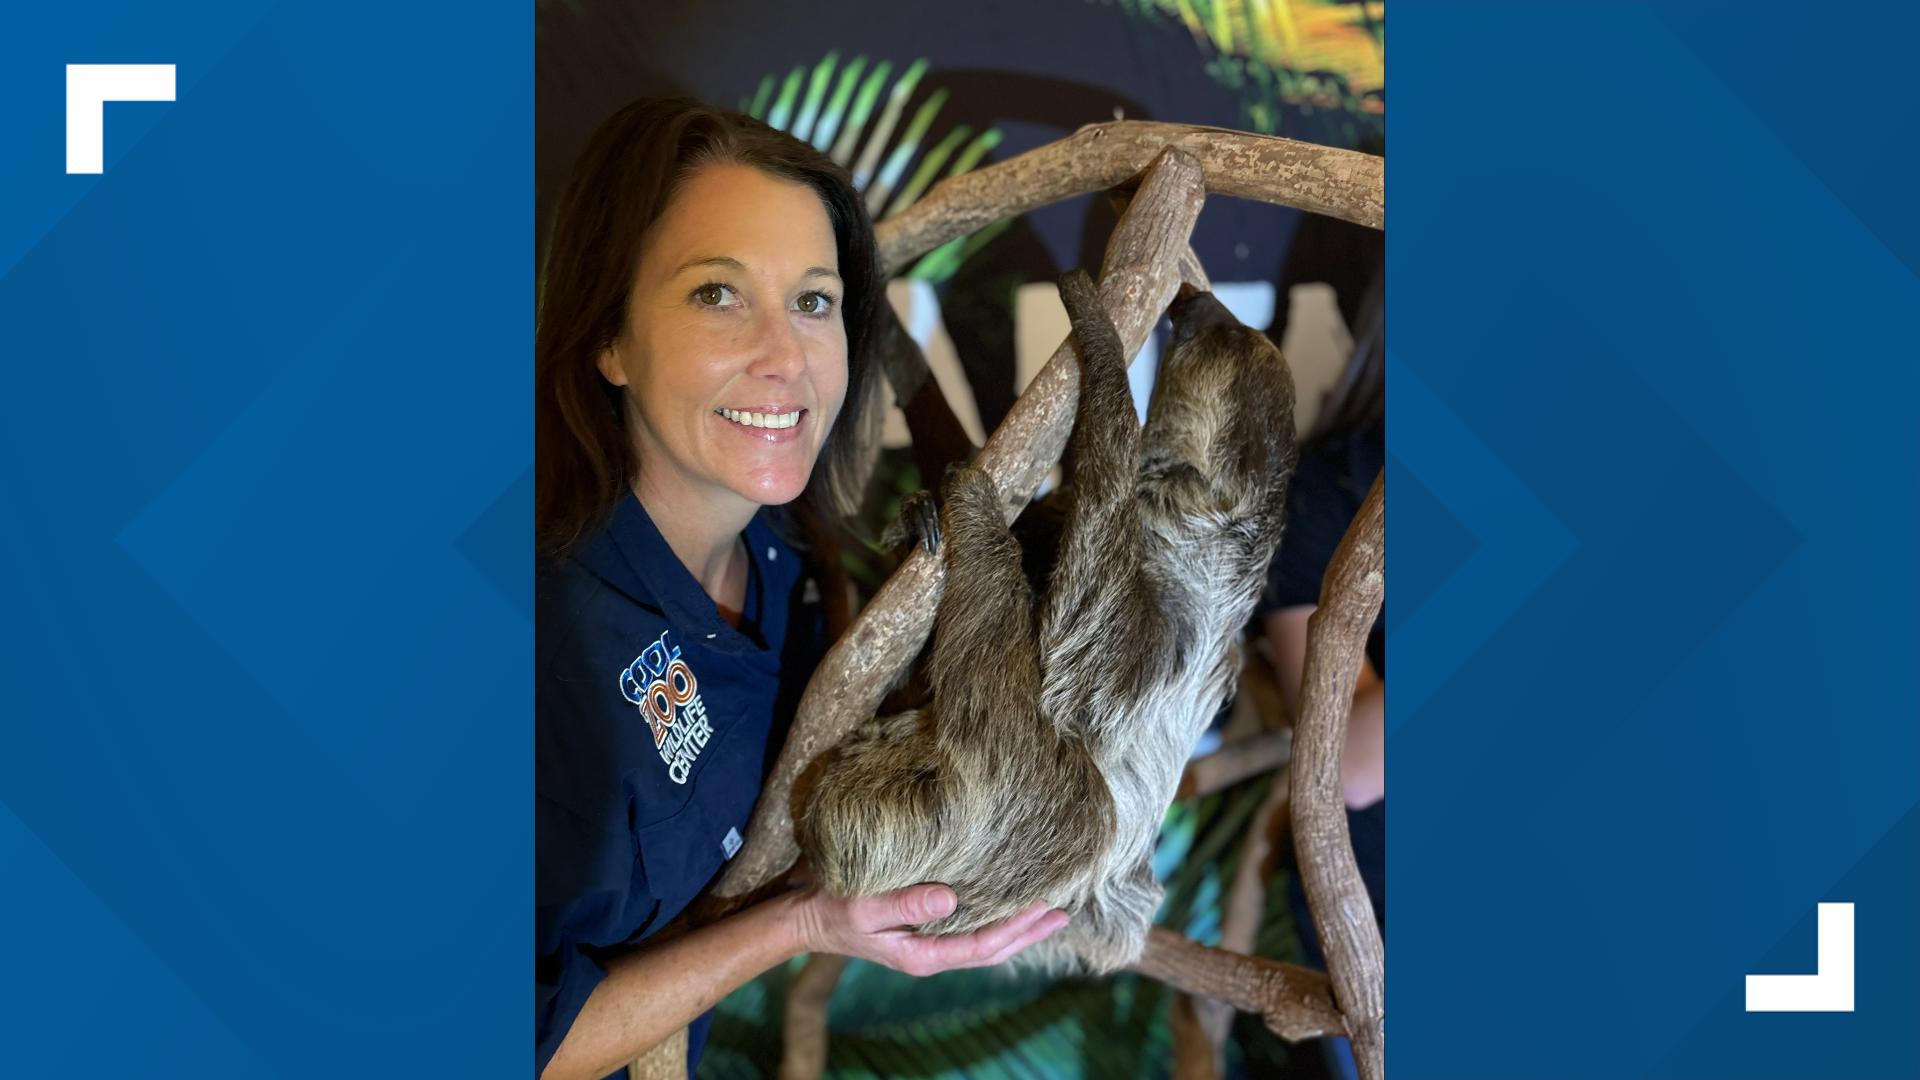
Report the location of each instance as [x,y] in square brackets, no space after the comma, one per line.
[1057,732]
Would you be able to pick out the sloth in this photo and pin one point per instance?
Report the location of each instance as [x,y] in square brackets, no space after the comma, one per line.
[1057,731]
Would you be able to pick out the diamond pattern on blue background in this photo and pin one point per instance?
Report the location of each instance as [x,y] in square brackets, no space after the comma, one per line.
[265,778]
[1822,96]
[1419,569]
[496,544]
[1633,773]
[1518,541]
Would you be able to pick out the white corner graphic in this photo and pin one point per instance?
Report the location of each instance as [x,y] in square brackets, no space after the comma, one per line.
[1829,989]
[89,88]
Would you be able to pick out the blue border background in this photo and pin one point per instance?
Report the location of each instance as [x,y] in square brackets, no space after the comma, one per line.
[264,507]
[1651,535]
[265,514]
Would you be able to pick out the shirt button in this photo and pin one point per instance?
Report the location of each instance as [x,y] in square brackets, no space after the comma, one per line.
[772,555]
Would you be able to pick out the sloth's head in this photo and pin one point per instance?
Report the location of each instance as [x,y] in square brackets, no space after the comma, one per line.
[1194,312]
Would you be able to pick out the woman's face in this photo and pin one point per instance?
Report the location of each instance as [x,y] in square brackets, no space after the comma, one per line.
[734,354]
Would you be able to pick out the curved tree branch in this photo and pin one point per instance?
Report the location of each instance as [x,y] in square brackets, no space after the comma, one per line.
[1338,183]
[1350,599]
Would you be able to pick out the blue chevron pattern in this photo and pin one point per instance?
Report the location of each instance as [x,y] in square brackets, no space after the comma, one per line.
[264,783]
[1653,329]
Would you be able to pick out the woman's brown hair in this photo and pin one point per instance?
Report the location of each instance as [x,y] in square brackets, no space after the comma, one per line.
[583,453]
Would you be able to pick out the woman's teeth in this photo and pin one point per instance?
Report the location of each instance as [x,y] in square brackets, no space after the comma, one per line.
[760,420]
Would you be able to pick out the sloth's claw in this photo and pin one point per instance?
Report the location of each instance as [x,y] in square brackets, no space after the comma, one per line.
[919,522]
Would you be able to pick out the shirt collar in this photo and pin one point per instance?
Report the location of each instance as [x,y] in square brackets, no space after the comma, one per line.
[632,556]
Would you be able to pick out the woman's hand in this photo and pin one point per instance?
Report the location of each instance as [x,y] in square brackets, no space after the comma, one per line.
[876,928]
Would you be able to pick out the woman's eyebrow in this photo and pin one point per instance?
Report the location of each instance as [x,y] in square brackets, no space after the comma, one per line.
[712,260]
[728,263]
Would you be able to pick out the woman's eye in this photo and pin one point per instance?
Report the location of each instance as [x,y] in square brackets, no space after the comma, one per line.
[711,294]
[814,303]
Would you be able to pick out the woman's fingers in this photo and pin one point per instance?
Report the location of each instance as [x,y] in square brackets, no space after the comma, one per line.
[986,946]
[879,928]
[991,939]
[1042,929]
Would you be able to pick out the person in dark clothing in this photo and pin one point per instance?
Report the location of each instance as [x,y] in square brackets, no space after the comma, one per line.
[701,362]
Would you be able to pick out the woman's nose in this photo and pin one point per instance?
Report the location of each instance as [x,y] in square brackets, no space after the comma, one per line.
[778,351]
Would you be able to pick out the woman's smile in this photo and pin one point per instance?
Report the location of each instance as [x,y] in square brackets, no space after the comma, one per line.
[767,424]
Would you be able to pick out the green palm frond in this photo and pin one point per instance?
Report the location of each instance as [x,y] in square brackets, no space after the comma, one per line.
[837,107]
[877,140]
[929,165]
[903,152]
[782,109]
[847,108]
[863,104]
[816,89]
[1315,67]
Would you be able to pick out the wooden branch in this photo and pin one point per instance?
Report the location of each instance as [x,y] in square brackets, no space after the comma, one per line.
[667,1060]
[1338,183]
[1137,282]
[1246,899]
[1350,599]
[1235,762]
[1292,1001]
[803,1054]
[1191,272]
[1194,1056]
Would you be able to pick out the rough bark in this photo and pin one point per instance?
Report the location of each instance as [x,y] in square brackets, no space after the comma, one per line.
[1137,281]
[1292,1001]
[667,1060]
[1191,272]
[1350,598]
[1338,183]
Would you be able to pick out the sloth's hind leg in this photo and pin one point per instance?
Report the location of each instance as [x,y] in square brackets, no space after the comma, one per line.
[873,821]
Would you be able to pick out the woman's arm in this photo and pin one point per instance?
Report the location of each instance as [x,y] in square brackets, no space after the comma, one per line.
[1363,760]
[653,992]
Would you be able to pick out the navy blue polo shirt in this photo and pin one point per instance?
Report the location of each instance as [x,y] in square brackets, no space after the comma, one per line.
[656,723]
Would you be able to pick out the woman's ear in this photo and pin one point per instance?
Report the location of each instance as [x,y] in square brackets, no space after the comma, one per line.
[610,368]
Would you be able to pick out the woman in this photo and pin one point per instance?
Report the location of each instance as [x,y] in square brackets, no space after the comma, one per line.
[701,358]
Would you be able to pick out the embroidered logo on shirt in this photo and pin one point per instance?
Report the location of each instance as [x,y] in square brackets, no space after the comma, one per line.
[663,687]
[730,843]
